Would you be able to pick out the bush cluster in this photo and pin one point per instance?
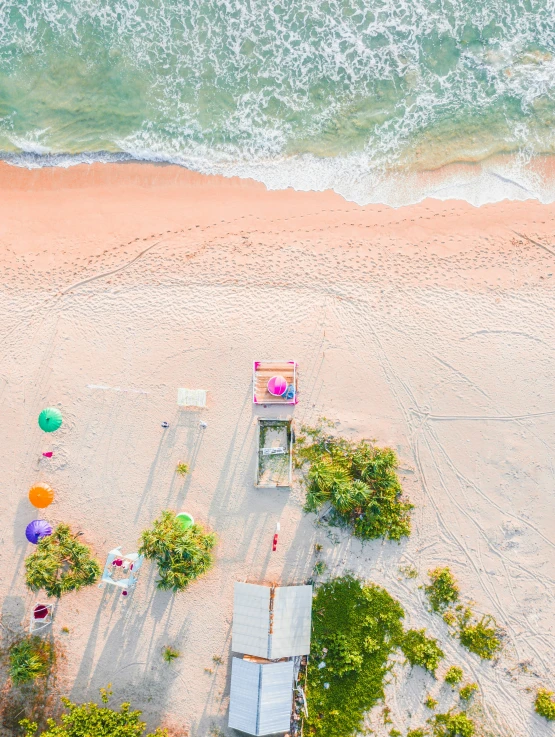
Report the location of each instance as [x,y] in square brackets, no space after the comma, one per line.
[454,675]
[356,627]
[92,720]
[452,725]
[479,636]
[421,650]
[30,658]
[467,691]
[61,564]
[358,481]
[181,554]
[544,704]
[443,591]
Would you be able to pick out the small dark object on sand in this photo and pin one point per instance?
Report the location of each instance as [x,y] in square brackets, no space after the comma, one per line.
[165,424]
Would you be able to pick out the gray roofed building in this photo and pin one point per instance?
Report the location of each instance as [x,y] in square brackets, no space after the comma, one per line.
[261,696]
[271,622]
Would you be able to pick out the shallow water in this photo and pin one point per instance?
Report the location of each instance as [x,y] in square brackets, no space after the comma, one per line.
[357,95]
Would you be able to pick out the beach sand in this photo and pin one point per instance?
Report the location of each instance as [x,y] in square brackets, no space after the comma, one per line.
[428,328]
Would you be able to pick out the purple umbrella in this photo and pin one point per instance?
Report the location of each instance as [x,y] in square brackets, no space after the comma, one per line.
[36,529]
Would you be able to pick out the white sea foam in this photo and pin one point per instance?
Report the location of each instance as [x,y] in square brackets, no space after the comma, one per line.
[497,179]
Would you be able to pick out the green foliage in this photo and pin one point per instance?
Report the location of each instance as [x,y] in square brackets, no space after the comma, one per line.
[182,469]
[430,703]
[358,480]
[467,691]
[29,659]
[395,733]
[480,637]
[169,654]
[91,720]
[443,591]
[60,564]
[319,568]
[454,675]
[420,732]
[408,571]
[360,625]
[181,555]
[452,725]
[421,650]
[544,704]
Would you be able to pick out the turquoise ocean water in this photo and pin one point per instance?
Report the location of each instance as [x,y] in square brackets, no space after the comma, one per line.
[357,95]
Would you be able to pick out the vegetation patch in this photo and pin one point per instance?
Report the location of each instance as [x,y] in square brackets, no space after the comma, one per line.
[92,720]
[544,704]
[443,591]
[356,627]
[421,650]
[430,703]
[479,636]
[358,481]
[419,732]
[454,675]
[61,564]
[452,725]
[169,654]
[182,555]
[466,692]
[182,469]
[29,659]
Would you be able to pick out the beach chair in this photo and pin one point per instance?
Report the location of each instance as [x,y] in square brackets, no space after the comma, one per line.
[41,617]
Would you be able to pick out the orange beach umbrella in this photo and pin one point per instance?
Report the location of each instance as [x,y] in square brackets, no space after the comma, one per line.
[41,496]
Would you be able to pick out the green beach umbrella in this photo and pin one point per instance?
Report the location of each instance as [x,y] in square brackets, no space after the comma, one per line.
[50,419]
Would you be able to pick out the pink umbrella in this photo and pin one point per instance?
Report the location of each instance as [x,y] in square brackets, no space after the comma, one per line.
[277,386]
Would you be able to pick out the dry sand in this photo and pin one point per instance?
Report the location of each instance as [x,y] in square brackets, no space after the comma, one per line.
[429,328]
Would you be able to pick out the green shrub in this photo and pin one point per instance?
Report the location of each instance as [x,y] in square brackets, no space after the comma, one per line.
[421,650]
[443,591]
[358,480]
[319,568]
[29,659]
[452,725]
[544,704]
[182,469]
[360,626]
[91,720]
[395,733]
[467,691]
[420,732]
[454,675]
[169,654]
[181,554]
[60,564]
[480,637]
[430,703]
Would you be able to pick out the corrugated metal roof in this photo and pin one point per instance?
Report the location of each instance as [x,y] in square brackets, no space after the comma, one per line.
[251,619]
[261,696]
[292,622]
[244,695]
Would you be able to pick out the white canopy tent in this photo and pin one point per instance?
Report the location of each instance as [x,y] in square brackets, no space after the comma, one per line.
[261,696]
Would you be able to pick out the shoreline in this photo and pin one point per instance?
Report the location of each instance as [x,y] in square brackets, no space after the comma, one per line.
[497,177]
[83,210]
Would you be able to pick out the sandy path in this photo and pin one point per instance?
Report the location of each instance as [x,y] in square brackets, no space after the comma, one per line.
[428,328]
